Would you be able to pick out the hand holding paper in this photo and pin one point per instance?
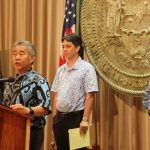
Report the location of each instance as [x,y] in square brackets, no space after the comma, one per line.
[83,127]
[78,140]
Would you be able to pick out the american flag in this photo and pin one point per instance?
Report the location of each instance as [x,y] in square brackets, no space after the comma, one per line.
[69,23]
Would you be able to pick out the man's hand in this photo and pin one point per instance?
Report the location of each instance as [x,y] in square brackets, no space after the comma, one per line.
[84,126]
[20,109]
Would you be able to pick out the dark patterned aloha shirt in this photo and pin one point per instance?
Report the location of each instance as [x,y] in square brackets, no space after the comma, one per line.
[32,90]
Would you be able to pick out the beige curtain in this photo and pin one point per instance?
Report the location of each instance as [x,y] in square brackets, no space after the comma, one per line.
[39,21]
[120,121]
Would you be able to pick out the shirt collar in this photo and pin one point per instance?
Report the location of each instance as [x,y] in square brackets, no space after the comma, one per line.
[76,65]
[25,74]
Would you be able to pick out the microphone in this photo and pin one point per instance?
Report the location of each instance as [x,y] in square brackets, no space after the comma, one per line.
[9,79]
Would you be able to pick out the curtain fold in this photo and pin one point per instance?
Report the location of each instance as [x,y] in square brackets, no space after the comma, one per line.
[39,21]
[123,121]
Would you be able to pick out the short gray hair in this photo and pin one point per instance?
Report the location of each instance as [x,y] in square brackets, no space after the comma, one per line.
[28,44]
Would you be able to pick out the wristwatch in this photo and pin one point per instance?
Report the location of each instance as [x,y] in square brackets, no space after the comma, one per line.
[31,112]
[85,119]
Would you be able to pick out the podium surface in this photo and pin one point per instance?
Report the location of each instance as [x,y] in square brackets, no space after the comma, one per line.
[14,130]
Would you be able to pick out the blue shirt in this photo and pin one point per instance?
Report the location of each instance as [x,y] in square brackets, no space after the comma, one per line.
[32,90]
[72,85]
[146,100]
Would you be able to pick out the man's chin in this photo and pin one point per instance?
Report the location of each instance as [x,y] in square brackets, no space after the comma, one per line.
[18,69]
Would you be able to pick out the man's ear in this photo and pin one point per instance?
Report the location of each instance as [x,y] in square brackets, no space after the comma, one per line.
[32,59]
[78,48]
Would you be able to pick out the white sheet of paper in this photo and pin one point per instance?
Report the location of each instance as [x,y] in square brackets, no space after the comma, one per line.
[77,140]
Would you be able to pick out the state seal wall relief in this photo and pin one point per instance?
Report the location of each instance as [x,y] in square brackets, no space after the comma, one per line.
[116,34]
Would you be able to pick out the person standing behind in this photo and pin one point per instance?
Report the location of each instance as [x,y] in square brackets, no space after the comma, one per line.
[74,86]
[146,101]
[29,94]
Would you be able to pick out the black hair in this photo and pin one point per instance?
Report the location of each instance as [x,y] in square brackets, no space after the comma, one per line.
[74,39]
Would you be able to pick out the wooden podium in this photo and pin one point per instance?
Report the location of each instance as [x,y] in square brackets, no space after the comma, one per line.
[14,130]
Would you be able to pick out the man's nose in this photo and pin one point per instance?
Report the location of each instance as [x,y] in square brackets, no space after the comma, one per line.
[17,56]
[64,49]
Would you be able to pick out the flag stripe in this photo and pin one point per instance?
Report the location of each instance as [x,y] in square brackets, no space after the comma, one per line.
[69,23]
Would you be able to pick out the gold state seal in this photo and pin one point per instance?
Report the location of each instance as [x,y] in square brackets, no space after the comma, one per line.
[116,34]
